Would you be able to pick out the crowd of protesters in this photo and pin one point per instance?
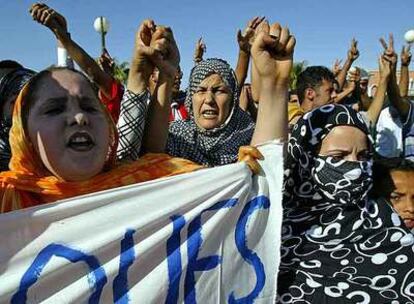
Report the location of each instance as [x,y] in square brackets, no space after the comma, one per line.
[348,201]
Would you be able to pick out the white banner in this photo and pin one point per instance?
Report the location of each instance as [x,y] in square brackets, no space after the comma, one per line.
[210,236]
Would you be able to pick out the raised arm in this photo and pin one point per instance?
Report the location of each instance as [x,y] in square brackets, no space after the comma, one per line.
[377,104]
[245,40]
[134,104]
[58,25]
[352,55]
[404,73]
[272,55]
[393,91]
[199,50]
[156,130]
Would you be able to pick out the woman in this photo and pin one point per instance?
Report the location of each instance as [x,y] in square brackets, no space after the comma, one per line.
[339,246]
[13,77]
[217,126]
[64,144]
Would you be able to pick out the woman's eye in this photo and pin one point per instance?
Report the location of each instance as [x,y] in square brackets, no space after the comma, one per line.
[395,197]
[90,109]
[338,157]
[54,111]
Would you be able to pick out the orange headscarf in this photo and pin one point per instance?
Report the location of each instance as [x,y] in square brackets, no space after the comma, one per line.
[29,183]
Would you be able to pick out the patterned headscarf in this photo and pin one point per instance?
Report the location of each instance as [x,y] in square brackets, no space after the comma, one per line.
[218,146]
[305,141]
[337,242]
[11,82]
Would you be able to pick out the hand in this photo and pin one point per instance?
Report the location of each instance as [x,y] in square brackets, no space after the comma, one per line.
[384,68]
[353,52]
[199,51]
[250,155]
[166,57]
[45,15]
[106,62]
[245,39]
[141,61]
[337,68]
[389,51]
[272,54]
[405,56]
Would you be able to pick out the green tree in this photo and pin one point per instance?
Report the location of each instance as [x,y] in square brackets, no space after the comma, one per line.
[297,68]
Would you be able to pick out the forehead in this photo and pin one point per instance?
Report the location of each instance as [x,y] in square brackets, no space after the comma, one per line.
[64,83]
[326,84]
[403,180]
[213,80]
[345,138]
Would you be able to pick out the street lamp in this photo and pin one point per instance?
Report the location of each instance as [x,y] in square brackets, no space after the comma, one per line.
[409,36]
[101,25]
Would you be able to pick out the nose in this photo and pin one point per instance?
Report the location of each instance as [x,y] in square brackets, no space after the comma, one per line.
[409,204]
[209,97]
[79,118]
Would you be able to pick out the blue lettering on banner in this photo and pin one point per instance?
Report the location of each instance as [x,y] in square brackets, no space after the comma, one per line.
[193,247]
[96,277]
[174,260]
[127,258]
[260,202]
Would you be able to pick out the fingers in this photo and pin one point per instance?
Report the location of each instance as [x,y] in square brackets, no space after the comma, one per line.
[254,23]
[250,155]
[263,27]
[275,30]
[391,42]
[290,46]
[284,38]
[383,43]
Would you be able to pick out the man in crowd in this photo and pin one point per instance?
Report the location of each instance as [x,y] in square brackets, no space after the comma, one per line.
[315,87]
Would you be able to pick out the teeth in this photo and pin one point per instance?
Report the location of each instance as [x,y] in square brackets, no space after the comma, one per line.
[79,140]
[209,112]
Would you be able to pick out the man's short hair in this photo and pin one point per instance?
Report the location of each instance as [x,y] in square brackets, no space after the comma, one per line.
[312,77]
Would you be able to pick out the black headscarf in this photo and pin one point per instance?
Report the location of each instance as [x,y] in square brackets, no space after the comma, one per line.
[218,146]
[12,81]
[338,244]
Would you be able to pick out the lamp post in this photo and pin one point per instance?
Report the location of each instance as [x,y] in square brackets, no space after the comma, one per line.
[101,25]
[409,36]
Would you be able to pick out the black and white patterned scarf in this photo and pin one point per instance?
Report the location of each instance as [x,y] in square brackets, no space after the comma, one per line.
[337,243]
[218,146]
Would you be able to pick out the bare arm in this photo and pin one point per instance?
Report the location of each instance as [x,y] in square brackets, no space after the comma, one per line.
[405,75]
[242,67]
[352,55]
[156,129]
[393,91]
[57,24]
[377,104]
[272,62]
[245,40]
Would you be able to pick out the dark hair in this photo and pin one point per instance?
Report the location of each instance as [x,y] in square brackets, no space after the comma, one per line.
[383,183]
[312,77]
[10,64]
[33,86]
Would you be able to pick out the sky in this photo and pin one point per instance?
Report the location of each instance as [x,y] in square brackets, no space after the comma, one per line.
[323,28]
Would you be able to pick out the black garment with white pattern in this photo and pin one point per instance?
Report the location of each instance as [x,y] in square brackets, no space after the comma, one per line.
[338,250]
[218,146]
[131,124]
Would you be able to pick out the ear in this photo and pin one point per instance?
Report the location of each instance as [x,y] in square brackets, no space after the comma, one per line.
[310,94]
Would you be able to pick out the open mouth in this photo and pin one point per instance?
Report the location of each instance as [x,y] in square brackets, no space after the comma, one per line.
[209,114]
[80,141]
